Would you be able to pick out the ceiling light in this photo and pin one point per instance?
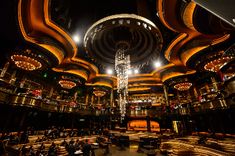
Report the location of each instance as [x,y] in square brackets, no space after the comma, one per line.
[183,86]
[129,72]
[99,93]
[26,62]
[157,64]
[67,84]
[76,38]
[109,71]
[136,71]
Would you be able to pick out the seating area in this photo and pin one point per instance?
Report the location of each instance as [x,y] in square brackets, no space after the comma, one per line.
[75,142]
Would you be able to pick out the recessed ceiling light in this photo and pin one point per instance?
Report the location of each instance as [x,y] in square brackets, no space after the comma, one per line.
[129,72]
[157,64]
[76,38]
[136,71]
[109,71]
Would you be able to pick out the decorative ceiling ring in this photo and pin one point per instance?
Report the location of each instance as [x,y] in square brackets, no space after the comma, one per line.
[136,31]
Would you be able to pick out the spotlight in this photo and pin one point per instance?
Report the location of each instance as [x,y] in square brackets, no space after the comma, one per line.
[129,72]
[136,71]
[76,38]
[157,64]
[109,71]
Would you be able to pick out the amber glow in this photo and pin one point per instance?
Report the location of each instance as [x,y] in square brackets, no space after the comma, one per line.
[216,64]
[142,125]
[188,15]
[183,86]
[188,53]
[67,84]
[161,16]
[99,93]
[25,62]
[139,89]
[105,84]
[77,72]
[173,43]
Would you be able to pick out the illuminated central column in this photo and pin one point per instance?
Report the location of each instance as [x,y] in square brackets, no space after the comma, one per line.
[122,65]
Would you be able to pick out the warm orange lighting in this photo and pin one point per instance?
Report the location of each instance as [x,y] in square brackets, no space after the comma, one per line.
[183,86]
[99,93]
[67,84]
[216,64]
[25,62]
[188,15]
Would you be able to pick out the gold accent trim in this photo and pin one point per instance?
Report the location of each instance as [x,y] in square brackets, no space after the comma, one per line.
[119,16]
[77,72]
[188,15]
[161,16]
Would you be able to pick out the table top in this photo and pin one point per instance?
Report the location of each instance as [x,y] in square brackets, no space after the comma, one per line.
[78,152]
[148,146]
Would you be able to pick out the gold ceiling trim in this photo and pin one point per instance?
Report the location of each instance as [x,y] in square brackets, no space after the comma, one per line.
[50,23]
[100,83]
[119,16]
[77,72]
[53,30]
[188,15]
[178,39]
[144,84]
[176,74]
[139,89]
[186,55]
[161,15]
[55,51]
[137,79]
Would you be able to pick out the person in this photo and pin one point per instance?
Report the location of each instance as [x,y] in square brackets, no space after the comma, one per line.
[78,144]
[52,150]
[86,149]
[24,150]
[38,140]
[71,148]
[65,144]
[31,151]
[40,150]
[2,148]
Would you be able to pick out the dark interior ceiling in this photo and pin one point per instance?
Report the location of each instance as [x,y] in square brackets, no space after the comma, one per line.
[77,16]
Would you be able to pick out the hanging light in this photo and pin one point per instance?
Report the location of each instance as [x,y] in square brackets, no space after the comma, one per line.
[67,84]
[25,62]
[99,93]
[183,86]
[216,64]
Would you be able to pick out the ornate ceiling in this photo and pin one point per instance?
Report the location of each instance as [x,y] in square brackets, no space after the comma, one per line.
[178,33]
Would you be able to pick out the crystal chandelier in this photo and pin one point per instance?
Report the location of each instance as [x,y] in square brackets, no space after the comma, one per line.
[122,65]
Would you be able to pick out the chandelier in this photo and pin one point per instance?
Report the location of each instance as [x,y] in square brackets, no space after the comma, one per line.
[216,64]
[183,86]
[122,66]
[67,84]
[25,62]
[99,93]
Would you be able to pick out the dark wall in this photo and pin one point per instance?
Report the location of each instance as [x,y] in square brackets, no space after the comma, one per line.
[14,118]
